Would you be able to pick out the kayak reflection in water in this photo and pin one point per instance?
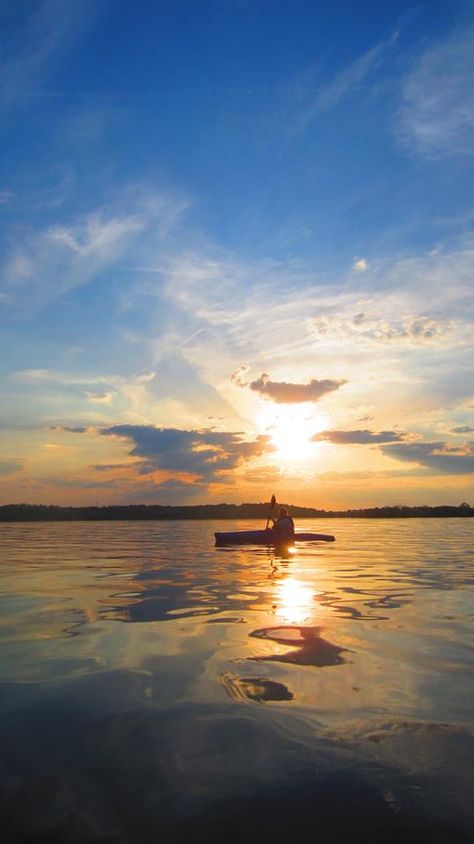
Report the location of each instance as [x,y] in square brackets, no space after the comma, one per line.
[284,526]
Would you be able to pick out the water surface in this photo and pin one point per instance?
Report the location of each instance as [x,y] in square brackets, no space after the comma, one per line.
[156,688]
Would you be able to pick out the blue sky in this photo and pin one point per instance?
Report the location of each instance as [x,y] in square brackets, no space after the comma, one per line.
[198,194]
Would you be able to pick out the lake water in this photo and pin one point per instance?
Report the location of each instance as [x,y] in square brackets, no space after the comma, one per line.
[155,688]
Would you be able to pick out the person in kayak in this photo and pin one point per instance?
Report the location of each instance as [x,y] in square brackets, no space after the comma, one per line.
[284,524]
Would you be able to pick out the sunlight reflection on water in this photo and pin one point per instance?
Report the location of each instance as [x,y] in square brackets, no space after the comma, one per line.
[294,601]
[357,654]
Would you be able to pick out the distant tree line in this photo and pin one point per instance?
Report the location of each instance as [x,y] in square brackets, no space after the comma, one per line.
[49,512]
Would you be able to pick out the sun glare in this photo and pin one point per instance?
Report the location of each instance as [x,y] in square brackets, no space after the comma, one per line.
[290,428]
[294,601]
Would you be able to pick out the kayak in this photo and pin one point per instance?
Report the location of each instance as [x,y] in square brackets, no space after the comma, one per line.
[267,537]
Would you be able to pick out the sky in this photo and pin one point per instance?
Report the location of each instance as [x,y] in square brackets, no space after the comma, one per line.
[237,242]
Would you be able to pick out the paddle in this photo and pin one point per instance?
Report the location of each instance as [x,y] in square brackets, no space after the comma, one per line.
[272,504]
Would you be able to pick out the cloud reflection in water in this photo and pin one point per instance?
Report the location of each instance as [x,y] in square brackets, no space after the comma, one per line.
[254,688]
[309,647]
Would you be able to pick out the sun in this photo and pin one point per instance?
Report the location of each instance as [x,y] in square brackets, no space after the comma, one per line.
[290,428]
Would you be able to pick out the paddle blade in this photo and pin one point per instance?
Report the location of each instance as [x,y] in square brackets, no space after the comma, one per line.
[272,504]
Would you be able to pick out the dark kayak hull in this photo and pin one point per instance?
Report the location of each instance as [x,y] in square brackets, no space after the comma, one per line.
[267,537]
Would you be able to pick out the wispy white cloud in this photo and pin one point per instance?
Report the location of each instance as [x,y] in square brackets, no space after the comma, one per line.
[45,264]
[370,327]
[48,32]
[345,82]
[88,398]
[436,118]
[46,192]
[289,319]
[267,309]
[280,317]
[360,265]
[32,376]
[100,389]
[105,391]
[105,397]
[97,236]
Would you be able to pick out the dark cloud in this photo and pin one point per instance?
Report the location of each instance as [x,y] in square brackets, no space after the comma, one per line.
[172,491]
[437,456]
[74,483]
[342,477]
[204,453]
[360,437]
[175,484]
[11,425]
[7,467]
[287,393]
[68,429]
[109,467]
[463,429]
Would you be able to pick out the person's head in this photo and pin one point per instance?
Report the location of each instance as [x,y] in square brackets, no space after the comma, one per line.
[283,512]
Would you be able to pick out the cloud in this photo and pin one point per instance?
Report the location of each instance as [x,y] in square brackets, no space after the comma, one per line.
[436,118]
[286,313]
[287,393]
[171,491]
[53,376]
[390,474]
[360,437]
[360,265]
[95,236]
[101,398]
[366,326]
[111,467]
[177,486]
[32,376]
[350,78]
[68,256]
[439,456]
[81,386]
[74,483]
[101,390]
[48,31]
[463,429]
[238,376]
[69,429]
[8,467]
[49,262]
[206,453]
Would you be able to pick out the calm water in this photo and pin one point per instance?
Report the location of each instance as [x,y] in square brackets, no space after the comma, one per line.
[155,688]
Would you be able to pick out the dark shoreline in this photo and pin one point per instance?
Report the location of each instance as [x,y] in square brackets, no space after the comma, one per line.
[141,512]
